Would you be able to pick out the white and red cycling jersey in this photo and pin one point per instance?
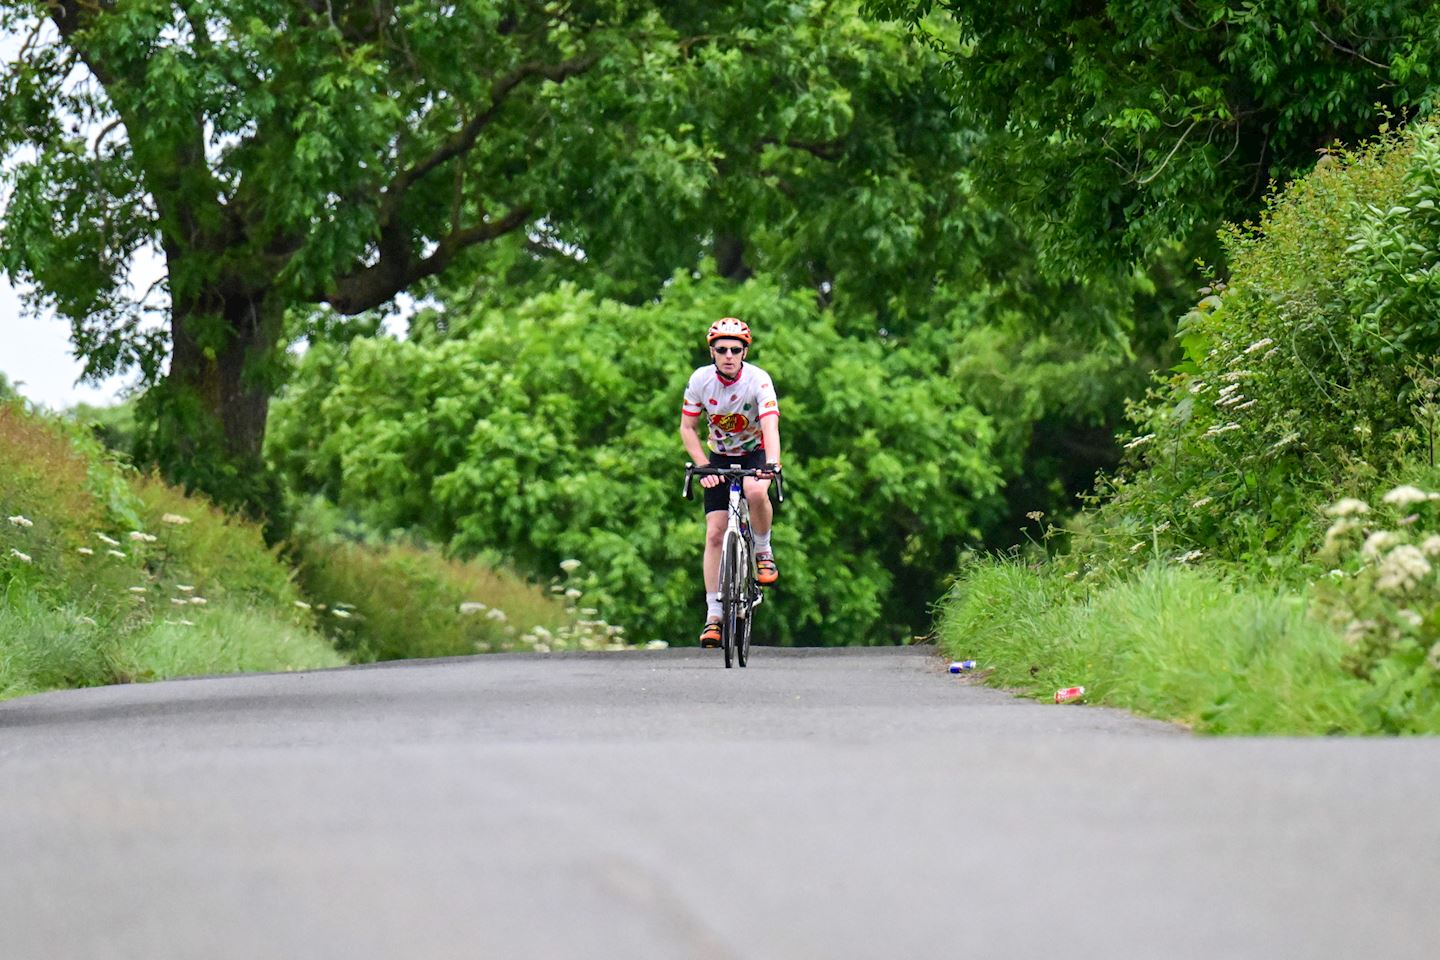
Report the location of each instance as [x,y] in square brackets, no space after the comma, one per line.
[733,409]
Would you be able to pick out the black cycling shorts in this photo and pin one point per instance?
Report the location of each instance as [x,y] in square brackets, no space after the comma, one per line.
[718,496]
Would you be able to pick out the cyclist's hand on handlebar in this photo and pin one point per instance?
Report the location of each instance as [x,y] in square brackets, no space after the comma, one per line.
[772,470]
[708,481]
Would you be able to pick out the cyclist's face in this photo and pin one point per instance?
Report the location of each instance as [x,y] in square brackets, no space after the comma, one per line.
[727,354]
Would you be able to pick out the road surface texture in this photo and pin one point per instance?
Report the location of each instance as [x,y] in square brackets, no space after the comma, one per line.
[820,804]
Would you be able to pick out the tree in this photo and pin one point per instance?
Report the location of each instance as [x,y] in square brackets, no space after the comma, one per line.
[1114,129]
[299,162]
[279,153]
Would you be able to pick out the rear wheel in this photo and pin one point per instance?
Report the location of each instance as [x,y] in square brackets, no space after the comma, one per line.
[742,646]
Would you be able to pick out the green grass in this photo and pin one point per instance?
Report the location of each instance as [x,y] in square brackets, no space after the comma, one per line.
[1172,642]
[107,576]
[222,639]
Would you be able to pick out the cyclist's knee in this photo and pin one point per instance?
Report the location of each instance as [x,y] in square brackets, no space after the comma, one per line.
[715,528]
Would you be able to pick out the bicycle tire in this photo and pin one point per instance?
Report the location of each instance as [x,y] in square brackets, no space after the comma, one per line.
[729,600]
[744,589]
[742,649]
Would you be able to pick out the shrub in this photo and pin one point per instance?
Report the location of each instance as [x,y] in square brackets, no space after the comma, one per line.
[549,431]
[1302,375]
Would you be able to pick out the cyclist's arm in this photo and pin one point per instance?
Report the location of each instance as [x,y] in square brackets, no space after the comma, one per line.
[770,434]
[691,439]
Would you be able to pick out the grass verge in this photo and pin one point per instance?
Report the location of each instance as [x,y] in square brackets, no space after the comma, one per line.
[1170,642]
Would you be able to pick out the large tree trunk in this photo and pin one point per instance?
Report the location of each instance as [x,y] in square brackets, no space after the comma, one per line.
[206,421]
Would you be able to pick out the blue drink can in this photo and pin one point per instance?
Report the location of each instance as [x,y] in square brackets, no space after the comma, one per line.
[960,666]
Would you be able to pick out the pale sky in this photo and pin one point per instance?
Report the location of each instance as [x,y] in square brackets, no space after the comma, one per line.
[35,356]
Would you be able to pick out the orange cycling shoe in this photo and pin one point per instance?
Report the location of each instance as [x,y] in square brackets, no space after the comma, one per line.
[766,573]
[710,636]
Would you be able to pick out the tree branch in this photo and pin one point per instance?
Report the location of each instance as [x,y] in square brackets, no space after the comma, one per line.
[826,150]
[397,269]
[1344,49]
[463,140]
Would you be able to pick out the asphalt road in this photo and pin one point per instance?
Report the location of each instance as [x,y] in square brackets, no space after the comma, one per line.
[826,804]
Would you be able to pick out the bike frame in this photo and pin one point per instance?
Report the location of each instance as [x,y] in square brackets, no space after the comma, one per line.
[740,591]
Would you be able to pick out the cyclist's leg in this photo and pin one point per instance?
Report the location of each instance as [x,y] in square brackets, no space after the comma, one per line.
[757,493]
[714,539]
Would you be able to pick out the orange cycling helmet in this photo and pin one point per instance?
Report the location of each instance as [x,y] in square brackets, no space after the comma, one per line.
[728,327]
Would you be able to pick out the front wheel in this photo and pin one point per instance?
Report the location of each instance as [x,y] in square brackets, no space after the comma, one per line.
[730,598]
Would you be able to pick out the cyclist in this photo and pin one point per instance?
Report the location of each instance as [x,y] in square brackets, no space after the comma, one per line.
[737,401]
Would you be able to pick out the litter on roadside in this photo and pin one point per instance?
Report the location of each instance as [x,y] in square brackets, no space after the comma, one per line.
[1068,694]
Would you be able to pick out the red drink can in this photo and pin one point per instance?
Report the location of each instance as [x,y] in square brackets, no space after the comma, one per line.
[1069,693]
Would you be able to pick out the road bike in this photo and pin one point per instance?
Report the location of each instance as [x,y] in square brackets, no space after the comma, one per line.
[740,591]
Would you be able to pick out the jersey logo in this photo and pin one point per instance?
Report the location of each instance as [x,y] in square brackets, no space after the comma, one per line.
[729,422]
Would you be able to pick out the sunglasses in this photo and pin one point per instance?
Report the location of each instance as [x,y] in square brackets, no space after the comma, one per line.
[736,351]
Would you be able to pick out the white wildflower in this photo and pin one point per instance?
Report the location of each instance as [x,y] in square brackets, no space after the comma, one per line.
[1402,570]
[1348,507]
[1191,556]
[85,551]
[1218,429]
[116,553]
[589,611]
[22,557]
[175,519]
[1229,391]
[179,602]
[1378,542]
[541,647]
[1246,405]
[186,623]
[570,566]
[1202,502]
[572,593]
[20,521]
[557,588]
[301,604]
[1284,442]
[1137,547]
[1341,527]
[1197,386]
[1356,630]
[87,621]
[656,645]
[1430,546]
[1140,441]
[185,587]
[1410,617]
[472,606]
[1434,657]
[138,536]
[497,615]
[542,633]
[1405,495]
[199,601]
[1162,526]
[107,540]
[1259,345]
[1407,520]
[341,614]
[1235,375]
[1271,353]
[139,590]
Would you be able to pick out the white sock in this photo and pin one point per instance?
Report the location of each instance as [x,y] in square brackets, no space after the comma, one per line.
[712,605]
[762,542]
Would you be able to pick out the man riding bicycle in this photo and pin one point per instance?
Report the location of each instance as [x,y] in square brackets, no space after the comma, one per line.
[742,417]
